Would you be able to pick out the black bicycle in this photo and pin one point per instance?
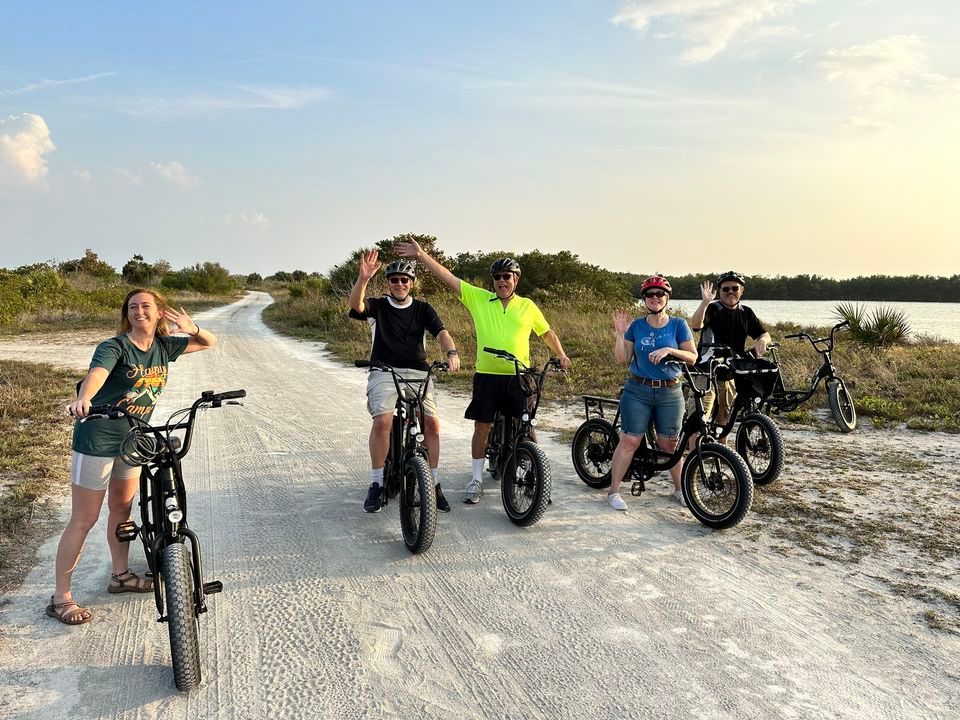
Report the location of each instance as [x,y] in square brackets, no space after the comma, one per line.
[838,396]
[407,472]
[179,587]
[512,451]
[716,482]
[758,440]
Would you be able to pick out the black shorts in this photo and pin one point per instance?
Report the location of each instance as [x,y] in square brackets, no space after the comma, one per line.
[496,392]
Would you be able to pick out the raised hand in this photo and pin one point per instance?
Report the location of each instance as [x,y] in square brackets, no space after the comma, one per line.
[707,293]
[181,320]
[621,321]
[409,249]
[369,265]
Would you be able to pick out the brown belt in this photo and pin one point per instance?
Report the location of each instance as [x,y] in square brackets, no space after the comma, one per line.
[655,383]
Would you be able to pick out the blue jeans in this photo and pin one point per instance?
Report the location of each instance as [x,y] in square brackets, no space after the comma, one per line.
[640,402]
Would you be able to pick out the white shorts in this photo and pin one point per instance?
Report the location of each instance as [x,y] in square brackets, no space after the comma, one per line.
[382,392]
[94,472]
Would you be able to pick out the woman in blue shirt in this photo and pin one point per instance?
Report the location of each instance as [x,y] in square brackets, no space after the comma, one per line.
[653,389]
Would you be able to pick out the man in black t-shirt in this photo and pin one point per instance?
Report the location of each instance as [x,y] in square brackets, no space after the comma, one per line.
[727,322]
[399,324]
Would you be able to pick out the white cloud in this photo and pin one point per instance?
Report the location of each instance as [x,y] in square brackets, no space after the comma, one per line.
[82,173]
[245,98]
[708,25]
[175,173]
[884,70]
[24,143]
[128,176]
[800,55]
[255,220]
[42,84]
[864,125]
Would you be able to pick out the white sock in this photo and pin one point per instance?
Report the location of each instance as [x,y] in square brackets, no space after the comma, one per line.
[478,469]
[436,475]
[376,476]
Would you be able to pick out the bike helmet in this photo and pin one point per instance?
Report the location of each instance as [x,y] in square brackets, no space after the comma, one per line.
[505,265]
[730,275]
[401,267]
[656,282]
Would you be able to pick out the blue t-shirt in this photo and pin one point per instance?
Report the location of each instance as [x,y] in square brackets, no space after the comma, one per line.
[646,339]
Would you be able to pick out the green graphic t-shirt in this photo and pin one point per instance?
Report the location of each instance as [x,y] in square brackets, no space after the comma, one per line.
[135,382]
[504,328]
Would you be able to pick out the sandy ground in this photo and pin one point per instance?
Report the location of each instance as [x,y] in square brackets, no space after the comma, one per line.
[589,614]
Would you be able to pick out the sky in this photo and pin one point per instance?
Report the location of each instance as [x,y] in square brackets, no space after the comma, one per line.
[770,136]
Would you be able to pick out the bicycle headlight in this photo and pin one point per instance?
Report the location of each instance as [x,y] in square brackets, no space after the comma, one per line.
[525,417]
[419,437]
[534,422]
[175,516]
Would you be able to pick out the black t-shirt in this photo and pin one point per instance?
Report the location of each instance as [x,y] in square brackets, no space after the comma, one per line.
[728,327]
[399,333]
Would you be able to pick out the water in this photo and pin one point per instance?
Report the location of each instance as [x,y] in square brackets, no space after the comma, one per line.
[934,319]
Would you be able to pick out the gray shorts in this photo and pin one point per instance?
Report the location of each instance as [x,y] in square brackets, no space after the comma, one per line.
[94,473]
[382,392]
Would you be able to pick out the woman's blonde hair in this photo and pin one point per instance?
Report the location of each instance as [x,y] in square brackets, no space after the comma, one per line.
[162,329]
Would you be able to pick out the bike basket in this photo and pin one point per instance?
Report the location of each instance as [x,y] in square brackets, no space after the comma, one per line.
[754,376]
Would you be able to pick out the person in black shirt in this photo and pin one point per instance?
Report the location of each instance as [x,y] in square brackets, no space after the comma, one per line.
[399,324]
[728,322]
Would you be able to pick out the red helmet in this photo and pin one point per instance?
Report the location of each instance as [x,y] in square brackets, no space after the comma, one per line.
[656,282]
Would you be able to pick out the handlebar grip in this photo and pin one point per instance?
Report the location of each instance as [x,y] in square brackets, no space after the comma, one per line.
[100,410]
[493,351]
[845,323]
[231,394]
[361,363]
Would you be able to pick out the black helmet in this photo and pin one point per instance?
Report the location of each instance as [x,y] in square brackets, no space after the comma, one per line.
[401,267]
[505,265]
[731,275]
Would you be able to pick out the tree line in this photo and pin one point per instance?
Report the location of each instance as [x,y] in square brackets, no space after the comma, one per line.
[910,288]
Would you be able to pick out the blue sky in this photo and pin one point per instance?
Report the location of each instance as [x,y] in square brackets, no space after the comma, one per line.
[774,136]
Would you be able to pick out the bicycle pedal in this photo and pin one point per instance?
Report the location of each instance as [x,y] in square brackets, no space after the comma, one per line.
[127,531]
[212,587]
[638,488]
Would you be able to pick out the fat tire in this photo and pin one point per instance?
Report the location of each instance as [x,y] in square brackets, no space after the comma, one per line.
[181,616]
[841,405]
[538,493]
[418,505]
[774,442]
[734,477]
[590,440]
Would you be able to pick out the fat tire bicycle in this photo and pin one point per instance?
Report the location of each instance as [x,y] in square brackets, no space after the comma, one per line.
[406,471]
[716,481]
[758,439]
[179,587]
[839,399]
[512,451]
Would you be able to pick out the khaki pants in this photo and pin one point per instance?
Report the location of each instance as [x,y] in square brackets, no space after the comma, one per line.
[723,395]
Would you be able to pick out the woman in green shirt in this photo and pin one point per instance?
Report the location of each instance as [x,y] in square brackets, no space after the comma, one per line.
[128,370]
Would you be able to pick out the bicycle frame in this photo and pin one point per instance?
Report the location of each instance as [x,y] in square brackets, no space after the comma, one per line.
[784,400]
[502,443]
[163,498]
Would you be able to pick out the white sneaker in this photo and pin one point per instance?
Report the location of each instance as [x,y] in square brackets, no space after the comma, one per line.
[678,494]
[473,492]
[616,502]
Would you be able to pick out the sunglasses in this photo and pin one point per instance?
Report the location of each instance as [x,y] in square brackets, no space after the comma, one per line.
[656,293]
[398,280]
[502,276]
[730,289]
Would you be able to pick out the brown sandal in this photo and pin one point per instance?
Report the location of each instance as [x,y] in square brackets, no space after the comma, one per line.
[62,612]
[129,582]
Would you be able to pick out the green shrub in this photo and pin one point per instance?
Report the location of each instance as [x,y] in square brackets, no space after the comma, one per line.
[884,327]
